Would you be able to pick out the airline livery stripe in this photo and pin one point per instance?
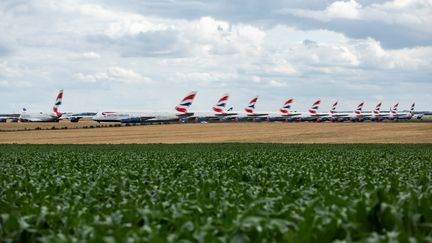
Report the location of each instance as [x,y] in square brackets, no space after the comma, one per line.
[253,100]
[219,110]
[248,110]
[225,98]
[189,97]
[186,103]
[181,109]
[289,101]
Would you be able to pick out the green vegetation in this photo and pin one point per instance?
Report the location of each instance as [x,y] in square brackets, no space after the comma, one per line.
[220,192]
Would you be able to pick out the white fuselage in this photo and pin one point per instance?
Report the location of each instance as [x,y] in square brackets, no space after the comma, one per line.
[353,116]
[38,117]
[307,116]
[143,116]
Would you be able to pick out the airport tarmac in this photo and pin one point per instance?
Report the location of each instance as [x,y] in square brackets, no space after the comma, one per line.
[370,132]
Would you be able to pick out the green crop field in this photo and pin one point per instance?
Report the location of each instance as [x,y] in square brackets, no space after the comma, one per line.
[215,193]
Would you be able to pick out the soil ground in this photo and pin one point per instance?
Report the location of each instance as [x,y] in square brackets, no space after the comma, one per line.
[368,132]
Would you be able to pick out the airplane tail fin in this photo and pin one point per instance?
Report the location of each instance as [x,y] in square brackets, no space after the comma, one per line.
[58,103]
[220,106]
[314,109]
[186,102]
[251,106]
[359,108]
[333,109]
[286,106]
[377,108]
[412,108]
[394,110]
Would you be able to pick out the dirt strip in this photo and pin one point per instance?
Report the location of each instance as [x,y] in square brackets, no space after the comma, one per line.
[232,132]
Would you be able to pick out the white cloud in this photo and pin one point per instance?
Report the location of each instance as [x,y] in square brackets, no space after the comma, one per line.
[8,71]
[331,50]
[116,74]
[278,65]
[415,14]
[344,9]
[220,37]
[133,27]
[371,55]
[15,84]
[91,78]
[277,84]
[90,55]
[4,83]
[205,35]
[203,78]
[122,50]
[337,10]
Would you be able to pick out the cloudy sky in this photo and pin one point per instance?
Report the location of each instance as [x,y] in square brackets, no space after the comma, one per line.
[145,55]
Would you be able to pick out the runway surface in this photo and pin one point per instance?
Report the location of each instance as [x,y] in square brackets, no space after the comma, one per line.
[396,132]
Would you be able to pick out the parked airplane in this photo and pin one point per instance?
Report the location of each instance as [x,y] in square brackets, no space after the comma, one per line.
[376,114]
[9,117]
[393,113]
[151,116]
[250,114]
[41,116]
[311,115]
[396,115]
[285,113]
[329,116]
[75,117]
[219,112]
[356,115]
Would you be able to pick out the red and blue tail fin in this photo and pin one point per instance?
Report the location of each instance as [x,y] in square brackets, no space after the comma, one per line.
[377,108]
[186,102]
[58,103]
[220,106]
[333,109]
[251,106]
[359,108]
[286,106]
[412,108]
[394,110]
[314,109]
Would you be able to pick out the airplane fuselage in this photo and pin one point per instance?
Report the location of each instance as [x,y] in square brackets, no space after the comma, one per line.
[38,117]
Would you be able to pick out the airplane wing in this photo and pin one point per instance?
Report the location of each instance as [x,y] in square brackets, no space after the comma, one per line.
[215,116]
[290,115]
[183,115]
[320,115]
[226,114]
[340,115]
[136,119]
[257,115]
